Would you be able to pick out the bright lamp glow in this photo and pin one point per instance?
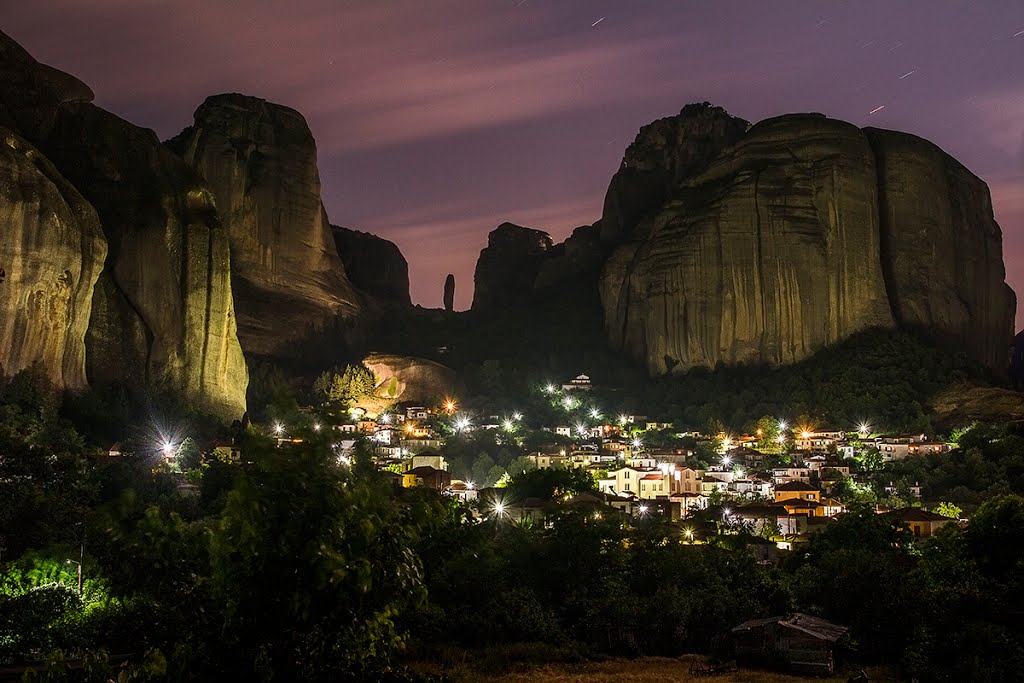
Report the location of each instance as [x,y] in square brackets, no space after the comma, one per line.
[595,413]
[316,426]
[517,416]
[462,423]
[550,388]
[507,425]
[278,428]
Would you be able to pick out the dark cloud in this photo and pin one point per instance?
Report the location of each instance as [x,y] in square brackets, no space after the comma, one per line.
[438,120]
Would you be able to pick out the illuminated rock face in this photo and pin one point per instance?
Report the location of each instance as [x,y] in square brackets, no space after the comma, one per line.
[169,261]
[800,233]
[259,160]
[162,309]
[406,378]
[51,254]
[942,248]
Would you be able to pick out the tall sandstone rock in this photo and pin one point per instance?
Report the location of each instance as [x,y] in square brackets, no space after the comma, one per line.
[162,311]
[942,248]
[259,160]
[508,266]
[793,236]
[51,253]
[374,265]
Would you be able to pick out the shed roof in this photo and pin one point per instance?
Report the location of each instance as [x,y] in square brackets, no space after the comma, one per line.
[812,626]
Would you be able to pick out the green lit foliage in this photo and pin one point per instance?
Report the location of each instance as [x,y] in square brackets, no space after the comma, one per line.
[948,510]
[346,386]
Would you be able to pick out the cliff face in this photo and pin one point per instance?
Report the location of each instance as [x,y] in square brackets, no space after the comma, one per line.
[51,254]
[798,234]
[169,259]
[508,266]
[942,249]
[664,154]
[259,160]
[374,265]
[163,304]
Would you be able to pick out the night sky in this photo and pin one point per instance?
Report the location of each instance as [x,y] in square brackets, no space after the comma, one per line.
[436,120]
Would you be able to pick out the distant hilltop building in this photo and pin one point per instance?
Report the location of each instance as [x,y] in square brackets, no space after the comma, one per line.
[578,383]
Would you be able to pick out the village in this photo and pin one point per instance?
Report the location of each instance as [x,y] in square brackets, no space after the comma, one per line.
[780,484]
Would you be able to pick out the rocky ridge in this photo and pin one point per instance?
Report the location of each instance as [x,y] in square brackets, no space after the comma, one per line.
[162,310]
[726,243]
[259,161]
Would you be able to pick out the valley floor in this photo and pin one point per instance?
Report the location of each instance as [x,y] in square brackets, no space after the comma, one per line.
[643,670]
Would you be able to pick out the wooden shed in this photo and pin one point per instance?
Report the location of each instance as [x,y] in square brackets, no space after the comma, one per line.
[799,642]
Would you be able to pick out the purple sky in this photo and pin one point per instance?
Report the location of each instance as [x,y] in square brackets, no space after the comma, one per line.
[438,119]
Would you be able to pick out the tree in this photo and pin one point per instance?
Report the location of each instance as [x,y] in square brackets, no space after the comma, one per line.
[521,465]
[767,430]
[187,457]
[481,468]
[550,483]
[948,510]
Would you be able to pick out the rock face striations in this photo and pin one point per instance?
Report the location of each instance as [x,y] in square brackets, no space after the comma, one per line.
[792,236]
[374,265]
[51,253]
[162,308]
[941,247]
[259,160]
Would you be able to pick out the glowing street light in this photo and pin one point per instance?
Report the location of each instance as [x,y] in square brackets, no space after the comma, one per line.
[783,425]
[462,423]
[167,448]
[385,418]
[568,402]
[726,512]
[689,534]
[595,413]
[517,416]
[470,485]
[781,438]
[449,406]
[727,442]
[864,428]
[278,428]
[805,434]
[508,425]
[550,388]
[637,443]
[70,562]
[726,460]
[316,426]
[581,428]
[623,419]
[642,509]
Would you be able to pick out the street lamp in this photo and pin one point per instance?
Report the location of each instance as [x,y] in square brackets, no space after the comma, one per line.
[278,428]
[69,562]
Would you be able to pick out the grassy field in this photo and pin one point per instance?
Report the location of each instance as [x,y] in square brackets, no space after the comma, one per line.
[641,670]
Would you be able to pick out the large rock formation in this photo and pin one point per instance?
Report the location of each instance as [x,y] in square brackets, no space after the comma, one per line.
[941,247]
[374,265]
[664,154]
[406,378]
[508,266]
[259,160]
[448,296]
[797,234]
[164,299]
[51,254]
